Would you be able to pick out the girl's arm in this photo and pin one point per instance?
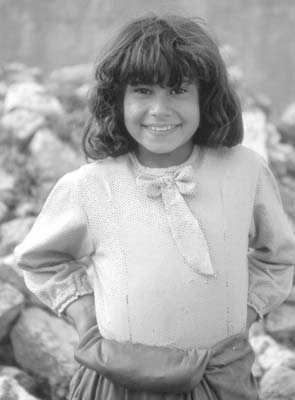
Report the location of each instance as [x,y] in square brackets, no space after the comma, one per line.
[57,250]
[81,313]
[272,247]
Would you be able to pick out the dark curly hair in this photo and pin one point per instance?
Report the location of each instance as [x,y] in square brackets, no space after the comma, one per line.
[164,50]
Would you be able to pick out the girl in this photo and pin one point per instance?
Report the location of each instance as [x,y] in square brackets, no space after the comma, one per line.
[180,228]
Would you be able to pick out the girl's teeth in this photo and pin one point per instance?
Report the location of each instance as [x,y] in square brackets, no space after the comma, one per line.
[162,128]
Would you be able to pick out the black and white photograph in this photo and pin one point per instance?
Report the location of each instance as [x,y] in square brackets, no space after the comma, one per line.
[147,200]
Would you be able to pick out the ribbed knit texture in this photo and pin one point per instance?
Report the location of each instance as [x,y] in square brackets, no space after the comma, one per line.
[98,218]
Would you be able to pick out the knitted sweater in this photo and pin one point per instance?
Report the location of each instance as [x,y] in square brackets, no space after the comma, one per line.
[99,231]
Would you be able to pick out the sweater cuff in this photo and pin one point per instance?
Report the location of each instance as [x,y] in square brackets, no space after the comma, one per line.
[80,287]
[58,295]
[256,304]
[70,300]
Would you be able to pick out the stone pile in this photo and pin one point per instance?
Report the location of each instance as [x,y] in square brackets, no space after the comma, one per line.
[40,134]
[41,120]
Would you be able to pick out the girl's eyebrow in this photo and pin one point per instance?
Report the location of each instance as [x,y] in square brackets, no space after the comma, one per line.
[186,81]
[140,84]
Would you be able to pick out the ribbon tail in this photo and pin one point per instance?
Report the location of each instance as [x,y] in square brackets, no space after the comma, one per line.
[187,234]
[198,257]
[204,267]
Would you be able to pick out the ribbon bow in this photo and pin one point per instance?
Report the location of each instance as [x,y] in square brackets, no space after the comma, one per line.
[184,227]
[182,179]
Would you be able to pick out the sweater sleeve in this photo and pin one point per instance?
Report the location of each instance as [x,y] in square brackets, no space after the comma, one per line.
[56,252]
[271,253]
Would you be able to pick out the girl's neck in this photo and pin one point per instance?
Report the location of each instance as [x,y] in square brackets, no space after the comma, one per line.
[164,160]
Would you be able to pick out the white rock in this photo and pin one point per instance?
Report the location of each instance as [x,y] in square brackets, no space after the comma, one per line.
[22,73]
[53,157]
[282,152]
[23,123]
[273,136]
[255,131]
[291,297]
[76,74]
[228,54]
[4,211]
[280,323]
[3,89]
[7,188]
[12,274]
[286,125]
[11,390]
[32,96]
[278,384]
[288,116]
[24,380]
[11,302]
[270,354]
[21,77]
[83,91]
[24,209]
[13,232]
[287,190]
[13,67]
[282,318]
[236,75]
[44,345]
[7,181]
[7,193]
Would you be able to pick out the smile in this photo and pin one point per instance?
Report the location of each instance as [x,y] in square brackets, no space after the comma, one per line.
[163,128]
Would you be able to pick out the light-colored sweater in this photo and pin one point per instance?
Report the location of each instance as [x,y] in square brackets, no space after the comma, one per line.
[99,230]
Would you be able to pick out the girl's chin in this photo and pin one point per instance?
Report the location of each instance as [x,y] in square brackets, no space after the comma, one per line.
[164,156]
[167,148]
[160,150]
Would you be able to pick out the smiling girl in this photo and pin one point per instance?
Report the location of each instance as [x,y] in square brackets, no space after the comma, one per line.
[163,121]
[180,227]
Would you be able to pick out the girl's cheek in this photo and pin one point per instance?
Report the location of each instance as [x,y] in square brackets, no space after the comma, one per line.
[134,107]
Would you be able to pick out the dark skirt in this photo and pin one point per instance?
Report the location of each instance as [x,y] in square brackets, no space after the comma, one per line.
[124,371]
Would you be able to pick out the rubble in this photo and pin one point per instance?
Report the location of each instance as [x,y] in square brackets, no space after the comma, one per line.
[41,120]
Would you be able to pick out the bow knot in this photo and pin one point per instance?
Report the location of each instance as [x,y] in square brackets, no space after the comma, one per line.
[182,179]
[184,227]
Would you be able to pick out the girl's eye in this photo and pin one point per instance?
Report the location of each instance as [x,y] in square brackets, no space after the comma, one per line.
[142,90]
[180,90]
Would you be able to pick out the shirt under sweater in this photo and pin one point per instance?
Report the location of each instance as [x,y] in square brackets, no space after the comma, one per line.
[99,231]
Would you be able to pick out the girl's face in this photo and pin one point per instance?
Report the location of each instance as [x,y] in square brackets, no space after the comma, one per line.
[163,121]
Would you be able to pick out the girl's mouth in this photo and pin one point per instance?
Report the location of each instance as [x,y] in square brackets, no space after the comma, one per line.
[161,128]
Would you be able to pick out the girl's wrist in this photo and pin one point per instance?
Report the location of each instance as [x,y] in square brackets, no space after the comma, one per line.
[252,316]
[81,313]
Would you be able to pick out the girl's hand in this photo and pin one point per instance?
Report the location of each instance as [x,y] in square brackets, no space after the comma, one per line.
[252,317]
[82,313]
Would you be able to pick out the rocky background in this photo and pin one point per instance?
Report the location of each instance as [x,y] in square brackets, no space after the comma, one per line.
[41,121]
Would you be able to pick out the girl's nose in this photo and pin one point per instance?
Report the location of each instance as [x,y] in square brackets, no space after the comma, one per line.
[160,105]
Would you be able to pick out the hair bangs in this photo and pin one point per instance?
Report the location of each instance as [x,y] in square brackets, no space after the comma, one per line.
[154,60]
